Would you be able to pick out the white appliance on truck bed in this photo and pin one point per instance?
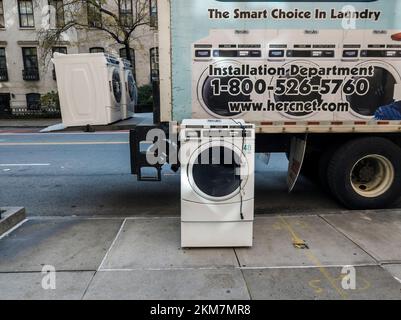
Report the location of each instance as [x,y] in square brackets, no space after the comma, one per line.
[90,88]
[129,89]
[217,183]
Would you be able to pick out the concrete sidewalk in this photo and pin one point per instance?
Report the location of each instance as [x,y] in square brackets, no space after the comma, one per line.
[28,123]
[141,258]
[138,119]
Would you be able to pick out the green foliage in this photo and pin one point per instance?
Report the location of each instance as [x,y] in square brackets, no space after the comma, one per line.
[145,95]
[50,100]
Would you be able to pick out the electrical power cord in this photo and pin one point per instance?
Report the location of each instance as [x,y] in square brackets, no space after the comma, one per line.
[241,180]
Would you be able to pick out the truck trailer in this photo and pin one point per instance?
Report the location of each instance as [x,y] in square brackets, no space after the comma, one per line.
[319,81]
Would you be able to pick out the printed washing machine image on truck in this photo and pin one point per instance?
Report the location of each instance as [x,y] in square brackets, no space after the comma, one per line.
[295,74]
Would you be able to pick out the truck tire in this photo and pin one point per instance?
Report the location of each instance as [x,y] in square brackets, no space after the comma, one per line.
[323,165]
[366,173]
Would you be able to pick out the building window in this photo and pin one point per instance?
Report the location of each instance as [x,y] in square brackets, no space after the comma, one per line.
[31,68]
[96,50]
[126,14]
[5,105]
[154,64]
[58,6]
[33,101]
[94,15]
[3,65]
[26,18]
[123,54]
[2,24]
[153,13]
[62,50]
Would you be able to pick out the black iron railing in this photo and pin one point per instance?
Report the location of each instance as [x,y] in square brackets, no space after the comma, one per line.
[30,74]
[31,113]
[153,21]
[154,75]
[34,110]
[3,74]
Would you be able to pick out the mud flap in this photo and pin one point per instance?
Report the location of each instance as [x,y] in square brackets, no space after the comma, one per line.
[296,159]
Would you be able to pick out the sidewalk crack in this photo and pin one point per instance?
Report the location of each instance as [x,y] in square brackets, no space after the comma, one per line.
[243,276]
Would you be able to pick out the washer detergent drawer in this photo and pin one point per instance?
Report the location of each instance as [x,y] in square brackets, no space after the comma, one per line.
[216,234]
[198,212]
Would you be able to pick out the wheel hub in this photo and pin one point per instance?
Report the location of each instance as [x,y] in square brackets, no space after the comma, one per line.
[367,172]
[372,176]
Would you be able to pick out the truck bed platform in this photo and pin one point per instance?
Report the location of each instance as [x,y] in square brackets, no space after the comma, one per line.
[128,124]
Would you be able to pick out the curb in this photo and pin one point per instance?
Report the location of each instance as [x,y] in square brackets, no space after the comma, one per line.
[36,128]
[2,126]
[10,218]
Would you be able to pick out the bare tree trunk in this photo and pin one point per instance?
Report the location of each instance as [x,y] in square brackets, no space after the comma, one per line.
[128,55]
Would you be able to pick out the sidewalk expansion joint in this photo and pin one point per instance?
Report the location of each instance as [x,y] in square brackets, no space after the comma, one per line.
[351,239]
[112,244]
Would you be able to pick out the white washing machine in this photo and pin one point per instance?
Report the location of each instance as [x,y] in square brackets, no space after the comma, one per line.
[90,88]
[129,90]
[377,49]
[217,183]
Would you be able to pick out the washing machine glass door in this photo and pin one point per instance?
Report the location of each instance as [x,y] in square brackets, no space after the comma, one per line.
[293,96]
[380,93]
[116,85]
[131,87]
[217,170]
[213,98]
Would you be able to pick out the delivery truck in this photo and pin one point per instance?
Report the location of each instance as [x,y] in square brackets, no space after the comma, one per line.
[319,81]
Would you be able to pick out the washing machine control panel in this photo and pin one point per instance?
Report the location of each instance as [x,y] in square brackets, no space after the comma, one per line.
[202,53]
[227,133]
[237,53]
[198,134]
[381,53]
[310,53]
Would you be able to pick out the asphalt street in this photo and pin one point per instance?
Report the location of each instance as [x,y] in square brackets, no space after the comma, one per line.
[88,174]
[91,220]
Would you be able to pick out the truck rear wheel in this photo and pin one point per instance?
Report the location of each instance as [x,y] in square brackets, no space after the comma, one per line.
[366,173]
[323,165]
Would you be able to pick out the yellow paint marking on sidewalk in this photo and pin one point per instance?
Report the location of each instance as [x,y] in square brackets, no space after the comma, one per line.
[297,241]
[324,272]
[8,144]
